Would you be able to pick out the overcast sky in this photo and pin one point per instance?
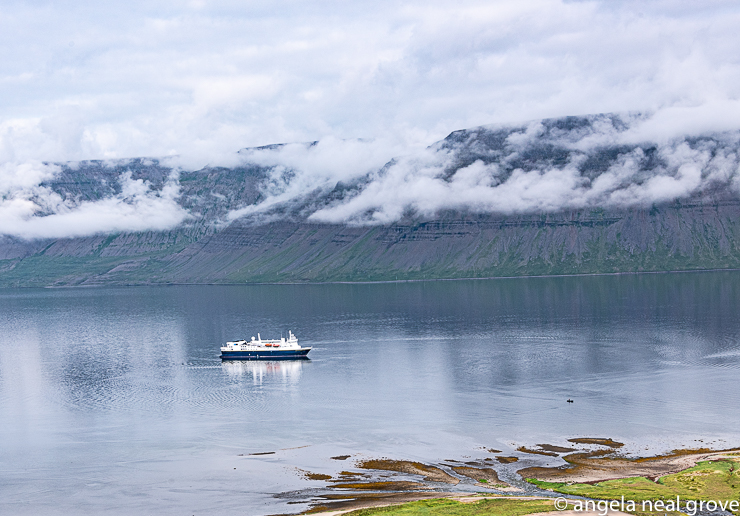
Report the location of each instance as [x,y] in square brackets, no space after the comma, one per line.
[104,79]
[202,79]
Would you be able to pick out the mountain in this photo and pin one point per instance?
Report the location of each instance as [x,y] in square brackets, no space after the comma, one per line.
[575,195]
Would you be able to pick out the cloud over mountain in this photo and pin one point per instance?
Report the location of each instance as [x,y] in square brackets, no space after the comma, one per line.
[600,161]
[30,208]
[610,161]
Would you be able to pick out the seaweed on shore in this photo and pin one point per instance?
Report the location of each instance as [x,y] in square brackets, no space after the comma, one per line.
[430,473]
[316,476]
[397,485]
[524,449]
[482,475]
[556,449]
[602,441]
[596,466]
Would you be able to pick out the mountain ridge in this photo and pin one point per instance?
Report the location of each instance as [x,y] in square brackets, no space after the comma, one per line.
[279,237]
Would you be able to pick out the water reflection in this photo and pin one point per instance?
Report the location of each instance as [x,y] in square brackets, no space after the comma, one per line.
[289,371]
[125,385]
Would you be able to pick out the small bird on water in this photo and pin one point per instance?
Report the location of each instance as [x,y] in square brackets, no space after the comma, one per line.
[570,400]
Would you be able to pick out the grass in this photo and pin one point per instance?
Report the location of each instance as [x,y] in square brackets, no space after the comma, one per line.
[446,507]
[708,480]
[369,256]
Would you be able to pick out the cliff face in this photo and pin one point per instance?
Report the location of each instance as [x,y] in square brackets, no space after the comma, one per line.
[675,237]
[283,244]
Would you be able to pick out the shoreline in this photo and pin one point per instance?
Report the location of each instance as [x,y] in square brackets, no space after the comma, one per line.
[585,469]
[370,282]
[589,468]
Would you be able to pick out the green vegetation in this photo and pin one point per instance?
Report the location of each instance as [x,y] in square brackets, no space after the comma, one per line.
[708,480]
[672,238]
[446,507]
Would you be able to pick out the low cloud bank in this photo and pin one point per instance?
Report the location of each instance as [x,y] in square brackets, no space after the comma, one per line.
[596,161]
[603,161]
[420,186]
[301,170]
[29,209]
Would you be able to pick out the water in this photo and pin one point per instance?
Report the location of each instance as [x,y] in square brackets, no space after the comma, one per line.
[113,399]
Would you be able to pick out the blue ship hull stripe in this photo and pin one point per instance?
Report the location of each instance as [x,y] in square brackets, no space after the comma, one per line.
[277,353]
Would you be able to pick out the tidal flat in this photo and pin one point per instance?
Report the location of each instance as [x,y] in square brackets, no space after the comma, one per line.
[711,476]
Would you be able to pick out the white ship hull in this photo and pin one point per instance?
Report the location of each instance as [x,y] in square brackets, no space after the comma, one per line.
[258,349]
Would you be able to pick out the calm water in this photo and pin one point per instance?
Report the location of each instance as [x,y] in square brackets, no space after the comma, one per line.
[113,400]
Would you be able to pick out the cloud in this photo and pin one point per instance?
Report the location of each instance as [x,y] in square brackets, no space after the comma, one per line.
[520,176]
[677,121]
[30,210]
[202,80]
[297,171]
[598,161]
[544,166]
[191,83]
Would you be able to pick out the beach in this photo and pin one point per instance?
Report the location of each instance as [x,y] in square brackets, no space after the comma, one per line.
[590,466]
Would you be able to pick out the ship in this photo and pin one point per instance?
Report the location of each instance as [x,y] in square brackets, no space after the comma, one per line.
[257,349]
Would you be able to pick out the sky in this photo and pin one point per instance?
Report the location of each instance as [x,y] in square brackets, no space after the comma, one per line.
[202,79]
